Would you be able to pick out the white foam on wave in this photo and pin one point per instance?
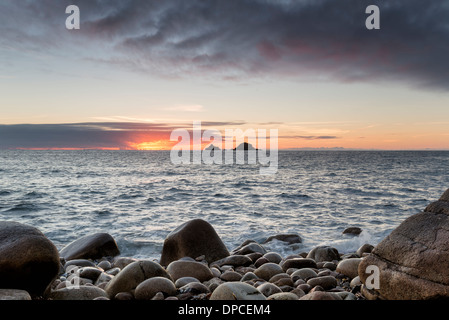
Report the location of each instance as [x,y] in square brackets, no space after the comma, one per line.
[350,243]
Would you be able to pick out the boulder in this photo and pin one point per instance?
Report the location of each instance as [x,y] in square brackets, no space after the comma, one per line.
[298,263]
[185,280]
[326,282]
[304,274]
[28,259]
[147,289]
[414,256]
[193,239]
[323,253]
[349,267]
[132,275]
[236,291]
[268,289]
[268,270]
[249,247]
[78,293]
[290,238]
[366,248]
[234,260]
[94,246]
[355,231]
[273,257]
[182,268]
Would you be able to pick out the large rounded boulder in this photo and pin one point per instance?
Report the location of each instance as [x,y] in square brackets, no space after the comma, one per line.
[28,259]
[93,246]
[413,261]
[193,239]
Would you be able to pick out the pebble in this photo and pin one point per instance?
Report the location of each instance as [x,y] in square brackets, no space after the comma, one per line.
[299,263]
[105,265]
[326,282]
[236,291]
[249,273]
[231,276]
[283,296]
[185,280]
[124,296]
[268,270]
[267,289]
[147,289]
[273,257]
[178,269]
[304,274]
[249,276]
[349,267]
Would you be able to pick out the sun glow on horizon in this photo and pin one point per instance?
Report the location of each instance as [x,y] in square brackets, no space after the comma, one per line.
[152,145]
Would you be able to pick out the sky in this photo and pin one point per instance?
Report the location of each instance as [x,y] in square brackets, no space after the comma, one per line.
[137,70]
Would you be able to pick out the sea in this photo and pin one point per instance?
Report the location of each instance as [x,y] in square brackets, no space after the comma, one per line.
[139,197]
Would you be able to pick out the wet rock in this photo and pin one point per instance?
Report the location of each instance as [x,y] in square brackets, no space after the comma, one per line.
[91,273]
[79,263]
[323,253]
[236,291]
[413,256]
[261,261]
[234,260]
[231,276]
[326,282]
[147,289]
[268,270]
[92,246]
[78,293]
[179,269]
[248,248]
[28,259]
[304,274]
[355,231]
[121,262]
[298,263]
[289,238]
[133,274]
[267,289]
[185,280]
[125,296]
[273,257]
[366,248]
[105,265]
[249,276]
[349,267]
[192,239]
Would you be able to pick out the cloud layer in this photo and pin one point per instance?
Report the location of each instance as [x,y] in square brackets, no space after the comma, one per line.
[318,40]
[93,135]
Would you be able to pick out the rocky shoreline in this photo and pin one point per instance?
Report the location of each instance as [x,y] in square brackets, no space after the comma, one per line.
[91,268]
[196,265]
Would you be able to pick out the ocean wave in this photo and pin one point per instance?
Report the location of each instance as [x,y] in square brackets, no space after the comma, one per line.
[5,193]
[24,206]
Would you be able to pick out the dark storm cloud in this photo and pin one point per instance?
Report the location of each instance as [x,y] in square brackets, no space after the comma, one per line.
[320,39]
[91,134]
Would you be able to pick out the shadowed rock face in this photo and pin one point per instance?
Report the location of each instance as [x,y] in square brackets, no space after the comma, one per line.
[193,239]
[28,259]
[414,259]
